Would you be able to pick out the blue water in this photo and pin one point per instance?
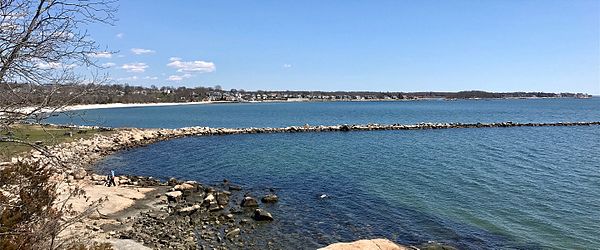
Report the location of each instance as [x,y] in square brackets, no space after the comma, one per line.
[489,188]
[331,113]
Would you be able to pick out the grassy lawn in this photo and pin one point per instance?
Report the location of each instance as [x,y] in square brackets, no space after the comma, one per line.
[46,135]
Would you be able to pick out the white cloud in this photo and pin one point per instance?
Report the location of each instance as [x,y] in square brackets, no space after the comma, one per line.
[108,65]
[179,77]
[120,56]
[191,66]
[120,35]
[151,78]
[102,54]
[175,58]
[135,67]
[139,51]
[287,65]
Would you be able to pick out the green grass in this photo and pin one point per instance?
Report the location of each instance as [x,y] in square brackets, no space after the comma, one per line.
[46,135]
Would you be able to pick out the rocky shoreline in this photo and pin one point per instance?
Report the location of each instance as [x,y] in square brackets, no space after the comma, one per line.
[195,214]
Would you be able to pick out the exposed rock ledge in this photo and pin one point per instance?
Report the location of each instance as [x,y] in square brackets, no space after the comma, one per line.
[375,244]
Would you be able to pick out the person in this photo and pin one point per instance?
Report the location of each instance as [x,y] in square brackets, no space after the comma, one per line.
[111,178]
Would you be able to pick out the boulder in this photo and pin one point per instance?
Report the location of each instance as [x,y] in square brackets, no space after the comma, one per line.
[270,198]
[249,202]
[382,244]
[174,196]
[184,187]
[262,215]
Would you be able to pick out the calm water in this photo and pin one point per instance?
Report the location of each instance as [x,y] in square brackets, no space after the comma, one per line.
[492,188]
[331,113]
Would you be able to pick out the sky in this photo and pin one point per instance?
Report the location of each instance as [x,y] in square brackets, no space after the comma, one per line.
[504,45]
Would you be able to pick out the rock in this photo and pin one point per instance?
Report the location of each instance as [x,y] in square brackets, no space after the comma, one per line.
[79,173]
[233,233]
[222,199]
[213,206]
[172,182]
[270,198]
[249,202]
[382,244]
[174,196]
[345,127]
[209,199]
[234,188]
[123,180]
[262,215]
[189,210]
[97,177]
[184,187]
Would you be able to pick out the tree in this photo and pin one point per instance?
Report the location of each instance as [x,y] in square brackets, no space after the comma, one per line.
[44,45]
[44,51]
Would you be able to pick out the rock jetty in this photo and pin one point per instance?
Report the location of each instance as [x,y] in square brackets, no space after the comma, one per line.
[81,154]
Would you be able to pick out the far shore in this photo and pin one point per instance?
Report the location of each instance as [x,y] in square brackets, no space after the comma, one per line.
[133,105]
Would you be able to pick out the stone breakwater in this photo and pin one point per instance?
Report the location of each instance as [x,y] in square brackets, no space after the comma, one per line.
[85,152]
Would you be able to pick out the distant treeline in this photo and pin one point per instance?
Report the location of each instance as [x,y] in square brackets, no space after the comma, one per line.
[26,94]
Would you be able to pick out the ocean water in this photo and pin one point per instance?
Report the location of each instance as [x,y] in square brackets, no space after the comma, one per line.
[488,188]
[332,113]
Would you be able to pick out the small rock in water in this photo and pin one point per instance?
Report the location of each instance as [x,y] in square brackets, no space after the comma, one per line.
[249,202]
[323,196]
[270,198]
[262,215]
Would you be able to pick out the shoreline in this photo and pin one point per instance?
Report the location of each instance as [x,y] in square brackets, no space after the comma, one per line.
[135,105]
[79,107]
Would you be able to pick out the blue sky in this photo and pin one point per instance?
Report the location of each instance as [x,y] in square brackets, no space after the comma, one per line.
[503,45]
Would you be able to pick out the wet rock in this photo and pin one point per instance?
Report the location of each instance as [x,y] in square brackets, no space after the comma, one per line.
[222,199]
[262,215]
[234,188]
[249,202]
[270,198]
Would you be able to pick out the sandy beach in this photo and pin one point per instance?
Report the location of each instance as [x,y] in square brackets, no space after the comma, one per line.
[134,105]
